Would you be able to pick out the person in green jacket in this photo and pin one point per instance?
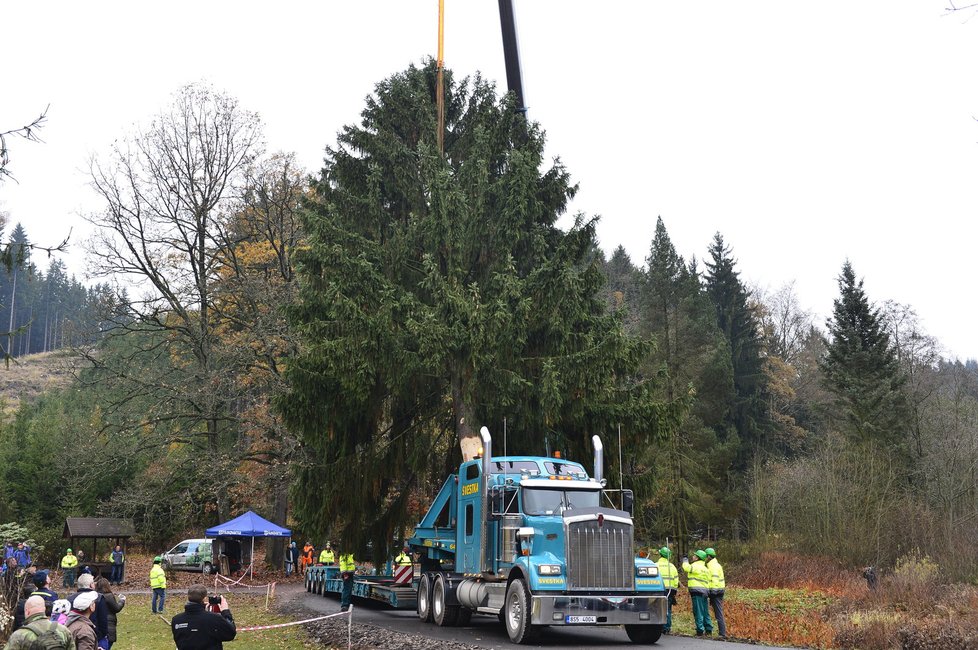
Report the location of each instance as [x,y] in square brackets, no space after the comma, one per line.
[718,585]
[36,626]
[157,582]
[670,580]
[698,583]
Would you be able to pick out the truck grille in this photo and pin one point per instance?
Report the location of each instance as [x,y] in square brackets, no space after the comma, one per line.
[600,557]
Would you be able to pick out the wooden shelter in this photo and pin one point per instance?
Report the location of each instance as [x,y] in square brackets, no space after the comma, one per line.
[84,533]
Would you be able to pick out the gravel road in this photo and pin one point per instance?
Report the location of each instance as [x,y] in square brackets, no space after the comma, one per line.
[377,627]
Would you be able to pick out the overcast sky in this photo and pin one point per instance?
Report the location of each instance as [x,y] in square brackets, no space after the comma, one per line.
[806,133]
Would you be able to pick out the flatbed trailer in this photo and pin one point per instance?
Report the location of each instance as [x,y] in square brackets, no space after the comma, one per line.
[325,580]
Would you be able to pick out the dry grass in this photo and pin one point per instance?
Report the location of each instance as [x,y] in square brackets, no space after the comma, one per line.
[28,377]
[783,599]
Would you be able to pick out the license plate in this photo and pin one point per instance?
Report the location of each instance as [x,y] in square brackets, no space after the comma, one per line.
[580,619]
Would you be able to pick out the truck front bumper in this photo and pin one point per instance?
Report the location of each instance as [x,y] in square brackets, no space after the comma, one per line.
[565,609]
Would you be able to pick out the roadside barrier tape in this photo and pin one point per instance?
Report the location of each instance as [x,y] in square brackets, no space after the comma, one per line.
[308,620]
[231,583]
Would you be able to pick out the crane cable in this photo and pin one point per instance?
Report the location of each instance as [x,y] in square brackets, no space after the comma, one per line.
[440,90]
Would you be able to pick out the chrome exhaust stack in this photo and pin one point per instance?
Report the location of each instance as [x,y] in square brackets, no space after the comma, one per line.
[486,471]
[598,458]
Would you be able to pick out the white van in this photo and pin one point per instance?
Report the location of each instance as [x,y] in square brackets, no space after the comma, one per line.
[191,555]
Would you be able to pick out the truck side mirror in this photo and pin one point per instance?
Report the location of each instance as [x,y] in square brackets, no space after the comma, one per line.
[628,501]
[497,503]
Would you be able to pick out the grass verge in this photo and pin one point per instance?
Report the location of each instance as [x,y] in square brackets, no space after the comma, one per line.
[139,629]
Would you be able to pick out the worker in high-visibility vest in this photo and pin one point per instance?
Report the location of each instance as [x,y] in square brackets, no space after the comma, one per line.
[348,568]
[718,585]
[308,553]
[69,566]
[403,558]
[670,580]
[327,556]
[698,583]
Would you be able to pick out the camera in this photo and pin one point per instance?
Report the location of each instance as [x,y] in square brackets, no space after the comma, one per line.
[214,603]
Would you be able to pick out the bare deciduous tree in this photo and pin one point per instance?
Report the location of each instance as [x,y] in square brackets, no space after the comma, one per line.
[168,191]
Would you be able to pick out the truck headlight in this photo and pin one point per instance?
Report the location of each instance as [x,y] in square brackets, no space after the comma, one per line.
[548,569]
[647,571]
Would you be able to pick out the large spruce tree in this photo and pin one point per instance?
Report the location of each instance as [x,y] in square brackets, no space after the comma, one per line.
[747,414]
[438,295]
[861,368]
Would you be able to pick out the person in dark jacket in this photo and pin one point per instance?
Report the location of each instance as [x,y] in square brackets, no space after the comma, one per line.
[101,614]
[113,603]
[198,629]
[118,565]
[42,588]
[19,614]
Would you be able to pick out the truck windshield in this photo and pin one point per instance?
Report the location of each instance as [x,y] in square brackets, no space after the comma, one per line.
[546,501]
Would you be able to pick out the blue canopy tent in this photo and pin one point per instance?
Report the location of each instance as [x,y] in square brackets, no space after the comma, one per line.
[248,525]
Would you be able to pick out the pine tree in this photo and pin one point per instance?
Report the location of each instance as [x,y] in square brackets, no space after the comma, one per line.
[861,368]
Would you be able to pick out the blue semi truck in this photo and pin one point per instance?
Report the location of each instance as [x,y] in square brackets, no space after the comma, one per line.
[535,541]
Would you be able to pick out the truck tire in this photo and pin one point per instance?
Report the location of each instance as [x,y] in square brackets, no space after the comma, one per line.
[644,634]
[424,598]
[207,569]
[516,612]
[444,615]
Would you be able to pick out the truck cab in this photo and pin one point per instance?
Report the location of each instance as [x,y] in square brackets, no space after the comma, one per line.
[537,542]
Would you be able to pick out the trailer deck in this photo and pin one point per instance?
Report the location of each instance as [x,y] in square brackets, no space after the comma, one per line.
[325,580]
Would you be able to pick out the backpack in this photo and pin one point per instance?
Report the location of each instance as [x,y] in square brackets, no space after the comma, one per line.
[47,637]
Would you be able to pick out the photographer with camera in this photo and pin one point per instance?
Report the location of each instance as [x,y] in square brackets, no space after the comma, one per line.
[199,627]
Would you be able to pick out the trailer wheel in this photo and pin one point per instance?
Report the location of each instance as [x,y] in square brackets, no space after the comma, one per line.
[424,598]
[445,615]
[517,613]
[644,634]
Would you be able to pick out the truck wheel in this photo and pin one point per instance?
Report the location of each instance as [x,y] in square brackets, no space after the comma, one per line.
[517,613]
[424,598]
[644,634]
[445,615]
[206,569]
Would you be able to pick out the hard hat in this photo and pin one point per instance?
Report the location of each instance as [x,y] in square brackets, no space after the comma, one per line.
[711,552]
[68,551]
[701,554]
[157,559]
[665,552]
